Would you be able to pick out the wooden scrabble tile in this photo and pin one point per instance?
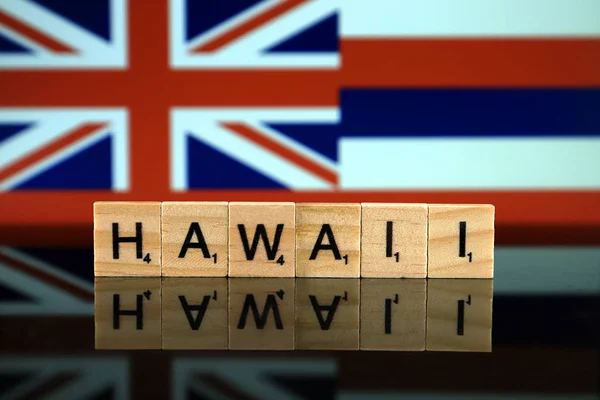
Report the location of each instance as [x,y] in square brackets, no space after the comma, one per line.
[127,313]
[392,314]
[328,240]
[327,314]
[262,239]
[461,241]
[459,314]
[393,240]
[194,238]
[261,314]
[127,238]
[194,313]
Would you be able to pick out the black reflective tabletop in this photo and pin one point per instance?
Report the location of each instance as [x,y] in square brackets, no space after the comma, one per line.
[543,324]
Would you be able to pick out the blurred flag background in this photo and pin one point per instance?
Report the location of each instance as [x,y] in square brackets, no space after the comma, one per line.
[463,101]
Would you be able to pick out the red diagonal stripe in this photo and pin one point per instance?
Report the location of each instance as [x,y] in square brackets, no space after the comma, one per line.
[67,140]
[48,278]
[33,34]
[250,25]
[267,143]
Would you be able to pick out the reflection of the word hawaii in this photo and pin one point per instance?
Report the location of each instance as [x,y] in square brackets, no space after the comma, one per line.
[288,314]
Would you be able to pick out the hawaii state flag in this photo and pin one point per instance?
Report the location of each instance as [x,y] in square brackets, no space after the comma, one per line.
[300,100]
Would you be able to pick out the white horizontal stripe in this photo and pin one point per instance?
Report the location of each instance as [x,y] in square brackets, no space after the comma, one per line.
[470,163]
[232,60]
[380,18]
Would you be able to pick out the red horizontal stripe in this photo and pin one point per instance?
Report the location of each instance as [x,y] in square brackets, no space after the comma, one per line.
[48,278]
[31,159]
[470,62]
[34,35]
[248,26]
[521,208]
[267,143]
[169,88]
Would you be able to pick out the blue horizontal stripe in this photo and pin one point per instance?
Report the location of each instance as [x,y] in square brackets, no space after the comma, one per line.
[470,112]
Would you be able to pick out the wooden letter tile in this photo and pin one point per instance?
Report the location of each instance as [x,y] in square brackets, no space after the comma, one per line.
[194,313]
[194,238]
[328,240]
[261,314]
[327,314]
[127,313]
[262,240]
[461,241]
[459,314]
[392,314]
[127,238]
[394,240]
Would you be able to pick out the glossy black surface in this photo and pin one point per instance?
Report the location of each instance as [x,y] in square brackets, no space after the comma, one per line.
[546,327]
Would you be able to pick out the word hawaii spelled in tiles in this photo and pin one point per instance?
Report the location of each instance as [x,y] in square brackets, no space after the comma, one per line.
[283,239]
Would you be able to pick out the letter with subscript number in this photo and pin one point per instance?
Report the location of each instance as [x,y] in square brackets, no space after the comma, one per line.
[328,240]
[195,238]
[127,240]
[262,240]
[461,241]
[393,240]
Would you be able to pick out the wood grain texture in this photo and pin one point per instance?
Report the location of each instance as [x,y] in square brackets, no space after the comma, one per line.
[255,257]
[459,315]
[194,313]
[261,313]
[447,258]
[128,216]
[318,227]
[393,240]
[327,314]
[392,314]
[203,224]
[131,292]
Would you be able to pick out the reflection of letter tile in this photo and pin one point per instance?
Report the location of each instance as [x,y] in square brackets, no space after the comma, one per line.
[248,221]
[461,241]
[139,302]
[459,314]
[327,314]
[393,240]
[392,314]
[204,325]
[128,221]
[194,238]
[261,314]
[328,240]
